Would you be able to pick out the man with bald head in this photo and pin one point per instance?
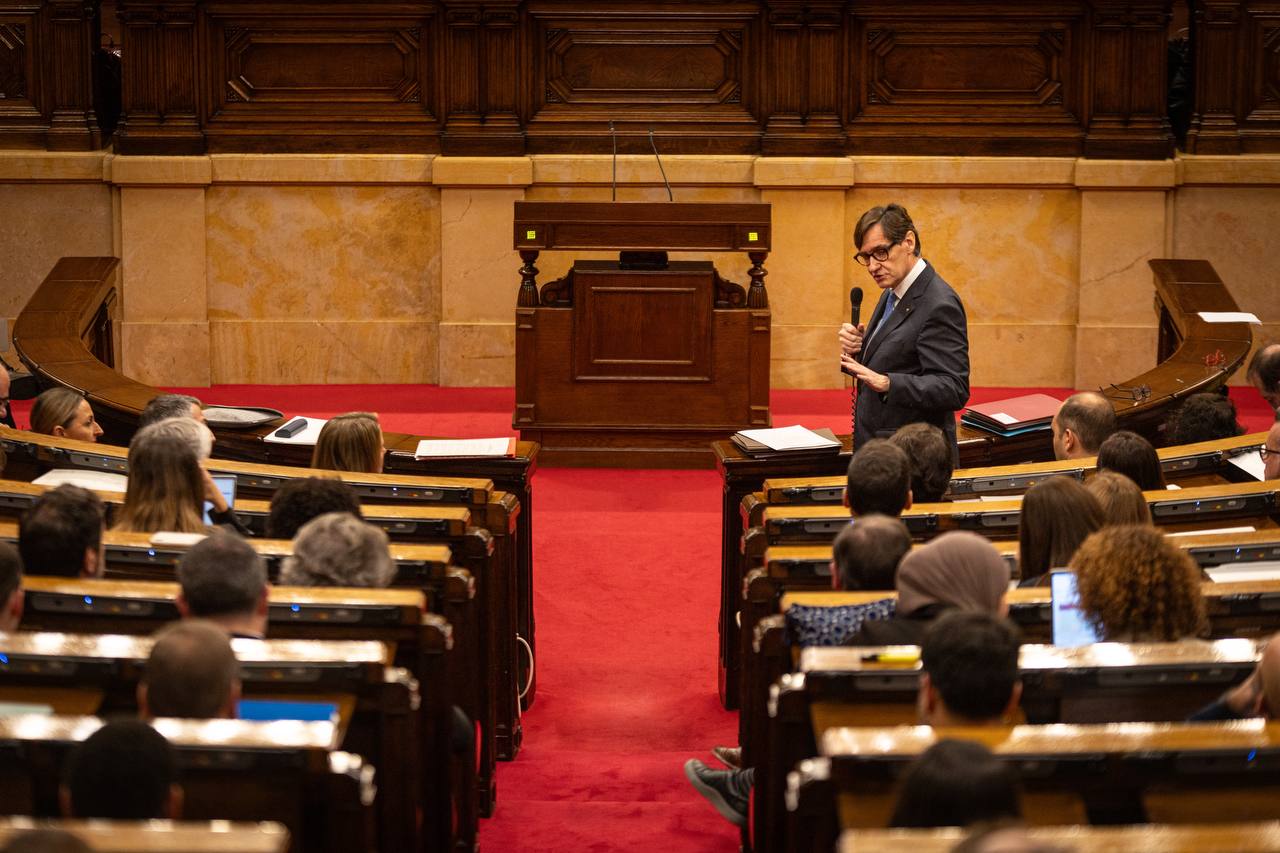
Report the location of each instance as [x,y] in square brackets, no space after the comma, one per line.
[1256,696]
[192,673]
[1082,423]
[1264,374]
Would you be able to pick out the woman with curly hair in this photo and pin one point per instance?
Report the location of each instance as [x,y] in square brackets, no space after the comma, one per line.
[1137,586]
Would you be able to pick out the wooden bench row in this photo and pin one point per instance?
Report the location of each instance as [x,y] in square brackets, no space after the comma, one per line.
[1106,682]
[159,836]
[1260,837]
[1116,773]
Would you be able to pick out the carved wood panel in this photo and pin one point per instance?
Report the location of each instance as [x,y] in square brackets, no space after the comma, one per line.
[306,78]
[15,62]
[1262,87]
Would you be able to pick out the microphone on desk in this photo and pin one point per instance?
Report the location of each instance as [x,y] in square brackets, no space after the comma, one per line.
[613,135]
[658,157]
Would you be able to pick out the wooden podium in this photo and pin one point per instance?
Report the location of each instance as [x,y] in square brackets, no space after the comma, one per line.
[640,362]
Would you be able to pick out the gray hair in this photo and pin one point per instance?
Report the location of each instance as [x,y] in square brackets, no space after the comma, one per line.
[338,549]
[167,406]
[194,434]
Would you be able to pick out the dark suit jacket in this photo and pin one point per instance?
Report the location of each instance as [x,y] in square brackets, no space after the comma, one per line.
[902,630]
[924,350]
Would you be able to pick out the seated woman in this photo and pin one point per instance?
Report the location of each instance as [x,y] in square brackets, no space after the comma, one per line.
[956,570]
[1136,586]
[350,442]
[1120,499]
[1057,515]
[338,549]
[64,413]
[956,783]
[166,486]
[197,435]
[1132,455]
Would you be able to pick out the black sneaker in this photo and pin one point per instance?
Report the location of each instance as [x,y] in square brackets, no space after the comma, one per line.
[717,787]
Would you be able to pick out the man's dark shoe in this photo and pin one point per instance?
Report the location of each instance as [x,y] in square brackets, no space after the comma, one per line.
[718,788]
[729,756]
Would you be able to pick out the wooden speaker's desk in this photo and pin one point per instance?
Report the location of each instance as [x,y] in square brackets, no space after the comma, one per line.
[640,365]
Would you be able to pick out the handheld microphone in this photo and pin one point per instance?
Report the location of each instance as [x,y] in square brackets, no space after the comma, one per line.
[658,157]
[855,314]
[614,136]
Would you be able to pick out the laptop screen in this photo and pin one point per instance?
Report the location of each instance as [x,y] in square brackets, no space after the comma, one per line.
[226,484]
[1070,628]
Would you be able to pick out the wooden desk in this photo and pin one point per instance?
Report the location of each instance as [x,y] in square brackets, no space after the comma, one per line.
[67,335]
[155,836]
[1147,838]
[286,771]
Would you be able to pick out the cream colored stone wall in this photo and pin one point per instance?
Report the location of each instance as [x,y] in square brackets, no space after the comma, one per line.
[399,268]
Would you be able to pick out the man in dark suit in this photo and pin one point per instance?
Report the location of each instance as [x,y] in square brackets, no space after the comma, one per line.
[911,360]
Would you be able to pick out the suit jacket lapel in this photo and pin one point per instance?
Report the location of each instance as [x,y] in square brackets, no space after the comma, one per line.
[900,312]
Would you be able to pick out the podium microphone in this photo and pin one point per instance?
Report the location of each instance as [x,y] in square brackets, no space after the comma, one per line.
[855,314]
[658,157]
[614,136]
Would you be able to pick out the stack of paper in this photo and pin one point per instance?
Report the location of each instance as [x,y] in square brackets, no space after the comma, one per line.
[786,441]
[1013,416]
[97,481]
[455,448]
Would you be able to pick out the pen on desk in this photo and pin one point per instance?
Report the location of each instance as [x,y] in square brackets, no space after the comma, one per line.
[892,657]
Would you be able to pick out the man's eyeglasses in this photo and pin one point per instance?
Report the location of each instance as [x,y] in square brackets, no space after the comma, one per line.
[880,253]
[1266,452]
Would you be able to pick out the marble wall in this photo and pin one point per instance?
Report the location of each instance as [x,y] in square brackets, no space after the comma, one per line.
[399,268]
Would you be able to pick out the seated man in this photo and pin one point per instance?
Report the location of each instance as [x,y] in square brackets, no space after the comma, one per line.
[1264,374]
[969,663]
[1082,423]
[865,556]
[302,499]
[338,549]
[1256,696]
[879,480]
[192,672]
[125,770]
[224,581]
[1271,453]
[61,534]
[165,406]
[10,587]
[929,455]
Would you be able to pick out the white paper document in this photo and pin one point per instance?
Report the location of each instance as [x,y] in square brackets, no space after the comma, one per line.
[1251,463]
[1214,531]
[308,435]
[98,481]
[788,438]
[1229,317]
[1007,420]
[456,447]
[1265,570]
[174,538]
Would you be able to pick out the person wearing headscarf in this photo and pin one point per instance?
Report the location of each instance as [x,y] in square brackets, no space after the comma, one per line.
[958,570]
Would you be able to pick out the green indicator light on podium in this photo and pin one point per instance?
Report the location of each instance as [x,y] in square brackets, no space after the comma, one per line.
[753,236]
[531,235]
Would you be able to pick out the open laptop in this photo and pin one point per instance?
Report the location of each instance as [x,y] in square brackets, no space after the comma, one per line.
[226,484]
[1070,628]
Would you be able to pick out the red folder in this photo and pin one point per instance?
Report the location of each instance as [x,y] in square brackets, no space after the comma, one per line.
[1018,412]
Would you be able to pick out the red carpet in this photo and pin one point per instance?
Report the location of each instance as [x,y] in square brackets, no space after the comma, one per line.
[627,585]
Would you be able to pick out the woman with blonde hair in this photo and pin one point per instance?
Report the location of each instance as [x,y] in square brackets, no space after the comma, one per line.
[166,486]
[350,442]
[1120,498]
[1136,586]
[64,413]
